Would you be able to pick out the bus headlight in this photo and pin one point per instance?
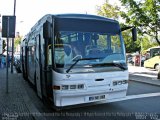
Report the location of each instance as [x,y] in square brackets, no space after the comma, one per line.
[69,87]
[65,87]
[124,81]
[72,87]
[55,87]
[80,86]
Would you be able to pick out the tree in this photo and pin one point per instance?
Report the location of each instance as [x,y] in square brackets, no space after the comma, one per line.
[113,11]
[108,10]
[145,15]
[17,40]
[130,45]
[131,19]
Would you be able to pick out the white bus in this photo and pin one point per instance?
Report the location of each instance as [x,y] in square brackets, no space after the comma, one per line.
[75,59]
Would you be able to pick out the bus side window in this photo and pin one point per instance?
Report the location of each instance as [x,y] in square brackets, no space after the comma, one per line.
[49,55]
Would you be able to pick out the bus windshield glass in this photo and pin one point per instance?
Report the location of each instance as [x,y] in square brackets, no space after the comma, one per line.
[89,48]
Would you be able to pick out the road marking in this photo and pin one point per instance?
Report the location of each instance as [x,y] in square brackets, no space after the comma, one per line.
[145,75]
[130,97]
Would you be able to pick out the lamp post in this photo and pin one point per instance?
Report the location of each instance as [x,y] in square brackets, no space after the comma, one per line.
[12,62]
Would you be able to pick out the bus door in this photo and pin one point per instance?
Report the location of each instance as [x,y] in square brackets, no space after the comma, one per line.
[47,61]
[38,75]
[41,67]
[31,61]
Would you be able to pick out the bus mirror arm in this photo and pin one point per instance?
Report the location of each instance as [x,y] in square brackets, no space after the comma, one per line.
[126,28]
[134,31]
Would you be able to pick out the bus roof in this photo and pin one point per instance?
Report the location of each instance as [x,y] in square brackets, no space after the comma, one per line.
[84,16]
[73,16]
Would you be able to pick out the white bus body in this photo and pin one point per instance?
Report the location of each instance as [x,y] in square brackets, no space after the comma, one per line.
[75,59]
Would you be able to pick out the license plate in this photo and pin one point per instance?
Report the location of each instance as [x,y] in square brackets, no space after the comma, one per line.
[97,97]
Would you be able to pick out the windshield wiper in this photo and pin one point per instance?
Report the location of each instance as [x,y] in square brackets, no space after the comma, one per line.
[120,65]
[76,61]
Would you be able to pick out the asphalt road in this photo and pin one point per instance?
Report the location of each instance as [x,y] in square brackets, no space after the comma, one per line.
[136,88]
[137,108]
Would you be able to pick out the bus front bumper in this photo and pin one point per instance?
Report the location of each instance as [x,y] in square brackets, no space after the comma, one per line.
[61,100]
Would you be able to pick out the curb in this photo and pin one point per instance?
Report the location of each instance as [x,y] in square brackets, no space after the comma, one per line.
[147,82]
[132,73]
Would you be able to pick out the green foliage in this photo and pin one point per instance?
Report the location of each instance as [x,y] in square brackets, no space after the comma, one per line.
[144,14]
[130,45]
[146,44]
[109,11]
[17,41]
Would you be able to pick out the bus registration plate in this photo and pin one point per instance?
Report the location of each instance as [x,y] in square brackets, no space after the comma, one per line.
[98,97]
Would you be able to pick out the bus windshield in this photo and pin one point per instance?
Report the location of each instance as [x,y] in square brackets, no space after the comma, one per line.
[92,47]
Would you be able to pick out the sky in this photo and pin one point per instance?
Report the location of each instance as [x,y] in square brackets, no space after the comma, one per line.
[28,12]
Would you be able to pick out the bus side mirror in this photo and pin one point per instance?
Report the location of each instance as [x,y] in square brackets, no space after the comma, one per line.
[47,30]
[134,34]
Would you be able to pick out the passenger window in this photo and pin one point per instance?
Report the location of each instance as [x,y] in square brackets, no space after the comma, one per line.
[37,47]
[49,55]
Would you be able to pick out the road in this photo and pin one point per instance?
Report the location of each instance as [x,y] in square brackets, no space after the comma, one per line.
[140,103]
[136,88]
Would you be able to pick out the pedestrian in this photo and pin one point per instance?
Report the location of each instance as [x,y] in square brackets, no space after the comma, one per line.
[3,61]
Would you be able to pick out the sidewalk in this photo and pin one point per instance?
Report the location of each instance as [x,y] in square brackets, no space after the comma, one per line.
[16,105]
[141,70]
[133,69]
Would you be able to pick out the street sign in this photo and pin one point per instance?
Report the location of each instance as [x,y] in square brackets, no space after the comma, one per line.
[8,31]
[8,26]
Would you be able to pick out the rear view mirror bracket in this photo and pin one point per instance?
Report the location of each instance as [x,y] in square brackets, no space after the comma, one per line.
[134,31]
